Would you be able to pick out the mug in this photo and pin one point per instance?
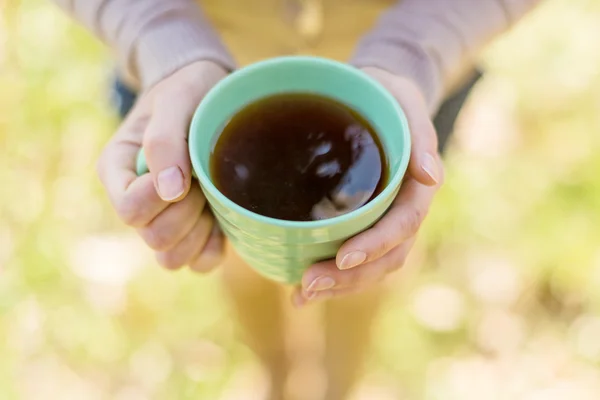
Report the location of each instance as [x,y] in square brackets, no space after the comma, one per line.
[278,249]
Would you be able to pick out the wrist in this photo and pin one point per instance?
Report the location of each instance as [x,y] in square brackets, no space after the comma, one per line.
[176,42]
[407,60]
[401,80]
[195,77]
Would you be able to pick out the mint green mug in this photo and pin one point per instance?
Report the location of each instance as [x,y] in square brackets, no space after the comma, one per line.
[283,250]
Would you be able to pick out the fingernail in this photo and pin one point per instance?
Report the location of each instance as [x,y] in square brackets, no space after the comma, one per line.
[430,167]
[170,183]
[353,259]
[309,295]
[321,283]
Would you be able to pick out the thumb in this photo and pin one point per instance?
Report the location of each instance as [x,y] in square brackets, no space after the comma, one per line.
[425,164]
[165,144]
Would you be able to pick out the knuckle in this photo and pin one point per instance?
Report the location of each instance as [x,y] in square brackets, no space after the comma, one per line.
[215,240]
[169,260]
[383,245]
[129,211]
[397,260]
[157,239]
[411,221]
[155,141]
[201,266]
[137,123]
[394,266]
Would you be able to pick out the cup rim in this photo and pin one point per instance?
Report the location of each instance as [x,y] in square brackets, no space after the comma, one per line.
[205,180]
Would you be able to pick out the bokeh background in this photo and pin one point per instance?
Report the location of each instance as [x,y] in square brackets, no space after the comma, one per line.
[501,299]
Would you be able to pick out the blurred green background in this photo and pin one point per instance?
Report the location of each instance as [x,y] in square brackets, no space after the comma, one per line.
[501,299]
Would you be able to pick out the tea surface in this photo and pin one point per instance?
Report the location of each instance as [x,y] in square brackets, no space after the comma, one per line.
[298,157]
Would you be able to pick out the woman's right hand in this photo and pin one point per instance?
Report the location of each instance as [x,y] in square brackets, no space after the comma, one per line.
[366,259]
[166,206]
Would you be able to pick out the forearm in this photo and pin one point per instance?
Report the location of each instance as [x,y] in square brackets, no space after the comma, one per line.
[151,38]
[431,41]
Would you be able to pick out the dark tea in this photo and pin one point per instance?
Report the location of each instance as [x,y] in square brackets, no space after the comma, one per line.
[299,157]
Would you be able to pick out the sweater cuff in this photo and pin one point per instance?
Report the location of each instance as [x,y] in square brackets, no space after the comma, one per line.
[407,59]
[163,48]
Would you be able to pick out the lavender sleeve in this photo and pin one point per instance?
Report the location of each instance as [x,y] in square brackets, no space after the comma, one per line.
[431,41]
[152,38]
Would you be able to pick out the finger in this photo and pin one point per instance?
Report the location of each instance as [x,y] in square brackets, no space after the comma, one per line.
[344,283]
[401,222]
[326,276]
[425,164]
[212,254]
[165,140]
[134,199]
[174,223]
[299,299]
[191,245]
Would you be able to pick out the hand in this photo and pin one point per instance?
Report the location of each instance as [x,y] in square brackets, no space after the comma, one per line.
[367,258]
[169,212]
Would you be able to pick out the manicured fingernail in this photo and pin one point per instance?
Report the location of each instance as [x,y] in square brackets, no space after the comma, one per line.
[170,183]
[430,167]
[321,283]
[353,259]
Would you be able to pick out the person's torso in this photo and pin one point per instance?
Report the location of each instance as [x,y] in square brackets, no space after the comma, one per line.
[258,29]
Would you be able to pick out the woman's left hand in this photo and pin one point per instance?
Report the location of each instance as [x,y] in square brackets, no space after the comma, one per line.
[369,257]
